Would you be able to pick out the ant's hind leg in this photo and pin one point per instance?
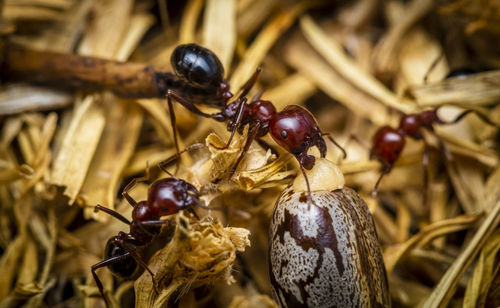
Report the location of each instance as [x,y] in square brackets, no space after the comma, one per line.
[129,248]
[173,122]
[425,166]
[105,263]
[132,183]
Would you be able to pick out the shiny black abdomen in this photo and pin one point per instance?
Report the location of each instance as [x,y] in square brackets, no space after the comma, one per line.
[197,66]
[123,268]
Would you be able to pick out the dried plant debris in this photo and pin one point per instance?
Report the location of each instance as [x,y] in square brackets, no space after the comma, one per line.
[199,253]
[358,66]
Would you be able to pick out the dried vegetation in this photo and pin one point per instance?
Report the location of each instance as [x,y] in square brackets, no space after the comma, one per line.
[356,66]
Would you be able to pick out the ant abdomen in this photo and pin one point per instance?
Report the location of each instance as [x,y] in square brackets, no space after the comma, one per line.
[125,265]
[387,146]
[198,66]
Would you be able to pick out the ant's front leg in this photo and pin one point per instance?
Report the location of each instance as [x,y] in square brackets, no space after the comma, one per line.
[132,183]
[247,86]
[236,124]
[251,137]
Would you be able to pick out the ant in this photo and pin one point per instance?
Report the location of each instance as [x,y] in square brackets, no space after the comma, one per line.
[388,143]
[293,128]
[200,73]
[166,196]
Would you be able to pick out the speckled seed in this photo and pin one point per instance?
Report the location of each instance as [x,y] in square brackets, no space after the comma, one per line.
[325,254]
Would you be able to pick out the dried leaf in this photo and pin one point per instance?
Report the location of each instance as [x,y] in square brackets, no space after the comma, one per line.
[80,142]
[347,68]
[484,272]
[199,253]
[219,31]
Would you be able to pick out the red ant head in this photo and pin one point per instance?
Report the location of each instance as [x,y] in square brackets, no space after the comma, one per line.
[169,196]
[296,130]
[387,146]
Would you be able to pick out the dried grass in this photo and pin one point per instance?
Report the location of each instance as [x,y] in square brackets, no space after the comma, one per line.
[357,66]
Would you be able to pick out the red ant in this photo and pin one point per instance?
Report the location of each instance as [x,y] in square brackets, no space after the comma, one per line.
[166,196]
[294,128]
[388,143]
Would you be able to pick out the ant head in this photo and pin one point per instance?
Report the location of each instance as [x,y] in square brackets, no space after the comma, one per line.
[198,66]
[142,212]
[124,267]
[170,195]
[410,125]
[387,146]
[296,130]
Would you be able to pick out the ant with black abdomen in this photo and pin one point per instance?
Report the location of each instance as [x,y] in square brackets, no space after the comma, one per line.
[166,196]
[293,128]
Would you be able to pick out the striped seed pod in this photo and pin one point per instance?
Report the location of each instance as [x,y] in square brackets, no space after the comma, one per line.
[325,253]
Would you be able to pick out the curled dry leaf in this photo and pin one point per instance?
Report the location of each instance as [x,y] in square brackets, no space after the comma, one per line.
[199,253]
[258,168]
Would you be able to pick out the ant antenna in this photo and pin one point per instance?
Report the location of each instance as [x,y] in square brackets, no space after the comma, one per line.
[309,198]
[344,153]
[433,66]
[375,189]
[163,164]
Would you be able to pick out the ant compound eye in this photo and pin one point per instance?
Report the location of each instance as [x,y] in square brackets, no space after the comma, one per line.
[283,134]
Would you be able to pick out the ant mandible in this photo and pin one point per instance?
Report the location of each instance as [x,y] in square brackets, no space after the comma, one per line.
[388,143]
[166,196]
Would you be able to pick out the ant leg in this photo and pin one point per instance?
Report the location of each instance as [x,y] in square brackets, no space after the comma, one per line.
[463,114]
[257,96]
[433,66]
[237,123]
[309,198]
[173,121]
[187,104]
[344,153]
[247,86]
[128,246]
[385,170]
[267,146]
[105,263]
[163,164]
[111,212]
[132,183]
[153,223]
[250,138]
[425,166]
